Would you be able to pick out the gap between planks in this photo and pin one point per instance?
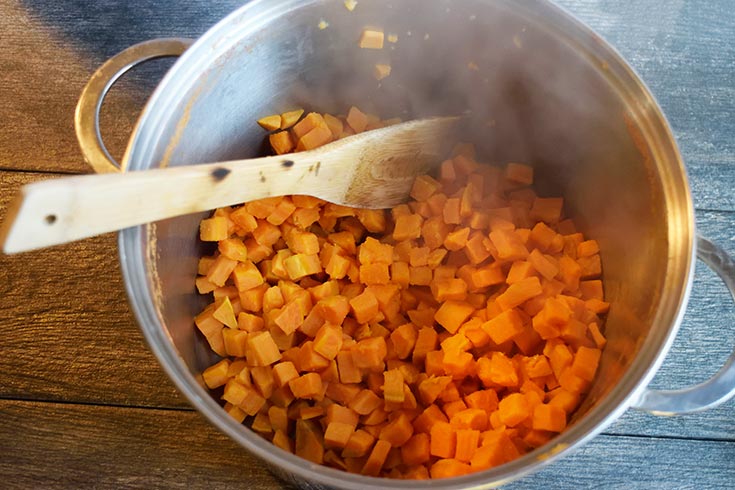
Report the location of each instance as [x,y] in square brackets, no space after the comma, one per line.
[59,172]
[668,437]
[72,404]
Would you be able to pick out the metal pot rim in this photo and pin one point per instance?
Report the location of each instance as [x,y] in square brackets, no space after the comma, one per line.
[142,290]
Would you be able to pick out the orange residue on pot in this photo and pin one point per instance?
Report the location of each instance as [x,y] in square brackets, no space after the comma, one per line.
[371,39]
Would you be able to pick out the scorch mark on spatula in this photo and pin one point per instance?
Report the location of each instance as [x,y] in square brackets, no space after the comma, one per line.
[219,174]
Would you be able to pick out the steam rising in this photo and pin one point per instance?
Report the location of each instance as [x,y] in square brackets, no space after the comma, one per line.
[536,96]
[524,92]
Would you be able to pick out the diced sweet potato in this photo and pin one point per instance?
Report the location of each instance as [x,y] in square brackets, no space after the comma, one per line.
[447,335]
[371,39]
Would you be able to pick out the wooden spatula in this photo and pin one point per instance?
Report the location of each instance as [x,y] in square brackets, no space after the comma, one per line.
[374,169]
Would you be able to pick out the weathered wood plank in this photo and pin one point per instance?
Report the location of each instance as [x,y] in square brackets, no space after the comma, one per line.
[53,445]
[680,49]
[684,51]
[49,445]
[625,463]
[49,51]
[83,345]
[66,332]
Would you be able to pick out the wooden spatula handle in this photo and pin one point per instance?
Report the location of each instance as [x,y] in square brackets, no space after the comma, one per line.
[63,210]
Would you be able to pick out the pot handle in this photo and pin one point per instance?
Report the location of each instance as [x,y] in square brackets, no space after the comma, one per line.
[720,387]
[87,115]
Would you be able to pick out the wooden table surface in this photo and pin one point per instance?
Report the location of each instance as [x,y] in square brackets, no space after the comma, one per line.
[84,404]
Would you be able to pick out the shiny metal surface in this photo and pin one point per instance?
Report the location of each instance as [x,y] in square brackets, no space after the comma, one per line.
[719,388]
[548,91]
[87,114]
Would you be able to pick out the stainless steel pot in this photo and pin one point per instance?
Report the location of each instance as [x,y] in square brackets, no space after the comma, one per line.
[545,90]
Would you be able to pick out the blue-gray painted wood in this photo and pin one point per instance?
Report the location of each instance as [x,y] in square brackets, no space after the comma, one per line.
[704,342]
[685,52]
[683,49]
[68,446]
[634,463]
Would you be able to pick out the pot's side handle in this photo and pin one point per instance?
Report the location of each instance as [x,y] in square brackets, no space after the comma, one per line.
[719,388]
[87,115]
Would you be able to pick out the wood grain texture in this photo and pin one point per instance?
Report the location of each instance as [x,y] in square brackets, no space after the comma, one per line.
[75,370]
[88,327]
[49,445]
[51,48]
[49,51]
[74,446]
[102,358]
[635,463]
[66,332]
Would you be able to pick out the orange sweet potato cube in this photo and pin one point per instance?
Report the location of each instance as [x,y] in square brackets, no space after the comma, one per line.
[281,212]
[315,138]
[356,119]
[335,125]
[311,121]
[372,251]
[376,273]
[519,173]
[364,306]
[547,210]
[216,375]
[424,186]
[245,397]
[211,328]
[235,342]
[373,220]
[359,444]
[519,292]
[509,245]
[337,434]
[585,362]
[220,270]
[305,217]
[514,409]
[337,267]
[371,39]
[213,229]
[308,385]
[283,372]
[290,118]
[407,227]
[303,242]
[261,208]
[290,317]
[457,239]
[246,276]
[549,417]
[369,353]
[262,349]
[302,265]
[504,327]
[452,314]
[281,142]
[328,341]
[270,123]
[451,211]
[393,386]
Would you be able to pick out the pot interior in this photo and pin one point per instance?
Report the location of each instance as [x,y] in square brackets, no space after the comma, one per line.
[541,89]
